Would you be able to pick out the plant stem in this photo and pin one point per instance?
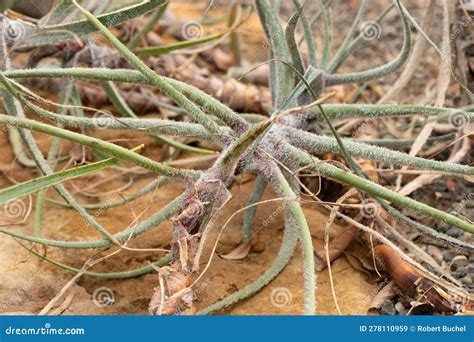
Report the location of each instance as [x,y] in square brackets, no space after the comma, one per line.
[153,185]
[333,111]
[156,219]
[121,105]
[294,207]
[322,144]
[110,275]
[383,70]
[376,190]
[151,75]
[255,196]
[150,25]
[104,146]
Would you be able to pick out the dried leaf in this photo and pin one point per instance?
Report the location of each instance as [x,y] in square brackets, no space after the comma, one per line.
[173,296]
[238,253]
[64,306]
[356,263]
[387,292]
[336,248]
[413,283]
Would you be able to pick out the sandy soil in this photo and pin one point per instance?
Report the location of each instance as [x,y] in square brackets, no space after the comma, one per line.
[28,283]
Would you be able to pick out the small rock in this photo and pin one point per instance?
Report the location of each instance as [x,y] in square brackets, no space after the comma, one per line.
[434,252]
[258,246]
[388,308]
[460,261]
[442,227]
[400,307]
[454,232]
[448,255]
[466,280]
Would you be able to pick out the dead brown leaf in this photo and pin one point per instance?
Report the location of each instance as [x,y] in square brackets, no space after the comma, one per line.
[238,253]
[387,292]
[358,263]
[336,247]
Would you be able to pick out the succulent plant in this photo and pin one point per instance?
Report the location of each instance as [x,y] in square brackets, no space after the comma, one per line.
[274,148]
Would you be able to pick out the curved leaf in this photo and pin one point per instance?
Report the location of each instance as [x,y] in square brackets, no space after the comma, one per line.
[34,185]
[53,33]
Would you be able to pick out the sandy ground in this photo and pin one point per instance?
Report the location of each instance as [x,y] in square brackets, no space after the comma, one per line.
[28,283]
